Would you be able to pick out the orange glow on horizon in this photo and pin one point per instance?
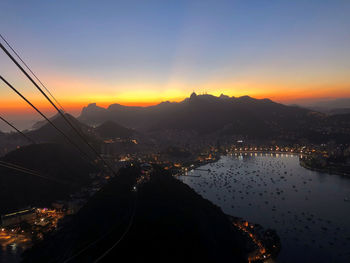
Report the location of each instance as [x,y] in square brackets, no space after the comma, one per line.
[75,92]
[15,107]
[143,98]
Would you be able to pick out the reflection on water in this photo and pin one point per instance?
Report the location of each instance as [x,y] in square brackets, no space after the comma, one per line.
[308,209]
[11,253]
[12,244]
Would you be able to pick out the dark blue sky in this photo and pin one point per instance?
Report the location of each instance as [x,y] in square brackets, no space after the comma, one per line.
[148,51]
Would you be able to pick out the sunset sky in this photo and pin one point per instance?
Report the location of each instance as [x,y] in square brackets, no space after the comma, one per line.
[145,52]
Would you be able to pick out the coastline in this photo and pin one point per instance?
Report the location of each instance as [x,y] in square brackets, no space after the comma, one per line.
[323,170]
[263,243]
[196,165]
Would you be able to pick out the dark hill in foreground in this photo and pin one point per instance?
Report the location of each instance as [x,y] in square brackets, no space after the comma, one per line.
[65,170]
[45,132]
[110,129]
[171,223]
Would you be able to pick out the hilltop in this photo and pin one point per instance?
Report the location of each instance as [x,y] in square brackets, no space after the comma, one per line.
[110,129]
[44,131]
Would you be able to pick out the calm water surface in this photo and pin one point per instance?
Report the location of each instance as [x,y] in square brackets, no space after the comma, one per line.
[306,208]
[11,253]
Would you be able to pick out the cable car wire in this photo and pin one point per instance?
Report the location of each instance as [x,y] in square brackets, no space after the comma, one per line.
[25,64]
[22,133]
[53,104]
[46,118]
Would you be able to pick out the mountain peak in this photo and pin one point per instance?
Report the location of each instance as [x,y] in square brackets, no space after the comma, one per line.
[110,129]
[245,97]
[193,95]
[223,96]
[93,106]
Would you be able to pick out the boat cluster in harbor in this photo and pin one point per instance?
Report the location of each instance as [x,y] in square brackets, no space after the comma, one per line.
[276,193]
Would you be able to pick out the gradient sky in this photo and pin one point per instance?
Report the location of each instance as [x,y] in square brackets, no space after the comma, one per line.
[143,52]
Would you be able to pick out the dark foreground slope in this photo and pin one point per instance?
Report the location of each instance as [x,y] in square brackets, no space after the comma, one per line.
[165,221]
[173,223]
[64,172]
